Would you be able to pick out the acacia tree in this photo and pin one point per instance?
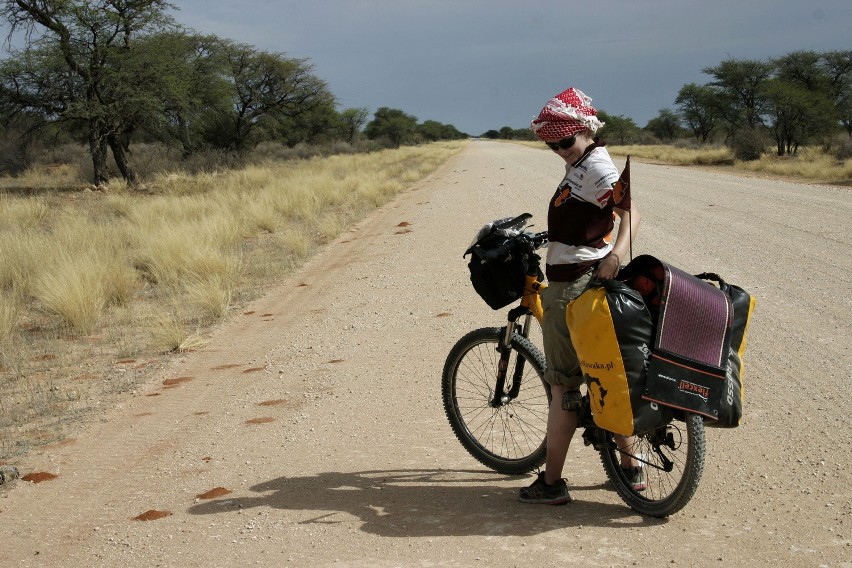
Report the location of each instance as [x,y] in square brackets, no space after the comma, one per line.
[352,120]
[265,88]
[393,124]
[838,68]
[432,130]
[317,125]
[35,82]
[801,103]
[97,80]
[700,109]
[185,75]
[742,81]
[665,126]
[796,98]
[794,115]
[621,129]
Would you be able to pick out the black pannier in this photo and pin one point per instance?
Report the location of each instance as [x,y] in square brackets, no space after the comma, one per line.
[699,341]
[499,262]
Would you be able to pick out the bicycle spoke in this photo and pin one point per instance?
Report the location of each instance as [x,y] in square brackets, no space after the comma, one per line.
[665,492]
[506,434]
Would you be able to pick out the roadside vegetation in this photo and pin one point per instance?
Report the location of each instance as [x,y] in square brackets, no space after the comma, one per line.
[813,165]
[97,287]
[808,165]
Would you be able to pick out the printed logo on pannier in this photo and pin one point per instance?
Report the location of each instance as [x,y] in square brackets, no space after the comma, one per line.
[687,387]
[729,379]
[646,353]
[585,365]
[597,393]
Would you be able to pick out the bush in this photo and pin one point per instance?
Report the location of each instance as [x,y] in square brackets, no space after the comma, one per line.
[209,161]
[843,149]
[20,145]
[749,144]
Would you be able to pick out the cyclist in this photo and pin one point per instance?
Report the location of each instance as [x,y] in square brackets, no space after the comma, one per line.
[580,222]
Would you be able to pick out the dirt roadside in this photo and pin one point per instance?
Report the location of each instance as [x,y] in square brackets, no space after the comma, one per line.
[318,409]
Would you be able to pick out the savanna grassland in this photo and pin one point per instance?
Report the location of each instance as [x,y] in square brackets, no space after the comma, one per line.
[99,288]
[809,164]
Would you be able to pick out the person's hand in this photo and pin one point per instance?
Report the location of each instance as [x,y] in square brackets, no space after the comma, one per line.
[608,266]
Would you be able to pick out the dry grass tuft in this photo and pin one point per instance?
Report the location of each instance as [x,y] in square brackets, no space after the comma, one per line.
[23,214]
[171,336]
[74,290]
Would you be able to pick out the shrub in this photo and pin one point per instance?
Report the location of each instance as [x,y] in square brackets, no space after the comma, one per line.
[19,147]
[749,144]
[843,150]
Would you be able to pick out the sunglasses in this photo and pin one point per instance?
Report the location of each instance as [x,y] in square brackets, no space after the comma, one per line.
[563,144]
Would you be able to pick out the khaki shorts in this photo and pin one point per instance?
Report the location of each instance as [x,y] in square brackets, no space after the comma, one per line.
[563,367]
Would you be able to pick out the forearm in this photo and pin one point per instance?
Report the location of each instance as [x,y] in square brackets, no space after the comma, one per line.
[627,230]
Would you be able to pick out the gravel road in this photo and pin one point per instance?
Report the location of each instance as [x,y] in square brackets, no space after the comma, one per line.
[310,432]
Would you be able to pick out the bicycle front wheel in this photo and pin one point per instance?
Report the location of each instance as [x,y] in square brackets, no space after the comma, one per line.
[508,435]
[672,459]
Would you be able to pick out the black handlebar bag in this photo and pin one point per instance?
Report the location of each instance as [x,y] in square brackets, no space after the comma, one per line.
[696,360]
[501,256]
[498,267]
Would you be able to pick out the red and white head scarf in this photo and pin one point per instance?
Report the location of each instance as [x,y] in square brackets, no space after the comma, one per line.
[566,114]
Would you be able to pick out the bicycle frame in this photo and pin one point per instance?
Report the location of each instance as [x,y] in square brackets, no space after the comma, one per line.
[529,307]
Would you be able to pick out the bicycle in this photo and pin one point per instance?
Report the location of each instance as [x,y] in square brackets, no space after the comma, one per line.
[496,401]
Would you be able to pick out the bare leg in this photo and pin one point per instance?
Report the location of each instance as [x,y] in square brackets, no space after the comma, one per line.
[561,425]
[626,446]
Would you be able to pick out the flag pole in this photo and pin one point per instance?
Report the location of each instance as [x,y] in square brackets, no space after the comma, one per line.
[629,211]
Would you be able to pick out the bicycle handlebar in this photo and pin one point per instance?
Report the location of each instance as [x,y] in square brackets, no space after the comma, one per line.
[519,220]
[532,240]
[513,232]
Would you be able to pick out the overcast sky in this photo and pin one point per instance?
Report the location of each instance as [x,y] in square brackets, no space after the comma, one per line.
[480,64]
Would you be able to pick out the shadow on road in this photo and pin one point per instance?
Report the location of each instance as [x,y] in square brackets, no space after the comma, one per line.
[405,503]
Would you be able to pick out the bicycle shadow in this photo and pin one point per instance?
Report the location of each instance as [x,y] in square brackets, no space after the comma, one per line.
[411,503]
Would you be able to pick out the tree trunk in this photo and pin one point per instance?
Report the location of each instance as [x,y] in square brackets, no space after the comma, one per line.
[183,136]
[120,156]
[98,150]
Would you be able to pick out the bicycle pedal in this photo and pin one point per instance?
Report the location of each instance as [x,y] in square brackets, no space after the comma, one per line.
[572,401]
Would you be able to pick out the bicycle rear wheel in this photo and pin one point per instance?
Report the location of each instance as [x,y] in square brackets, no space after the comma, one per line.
[508,437]
[672,458]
